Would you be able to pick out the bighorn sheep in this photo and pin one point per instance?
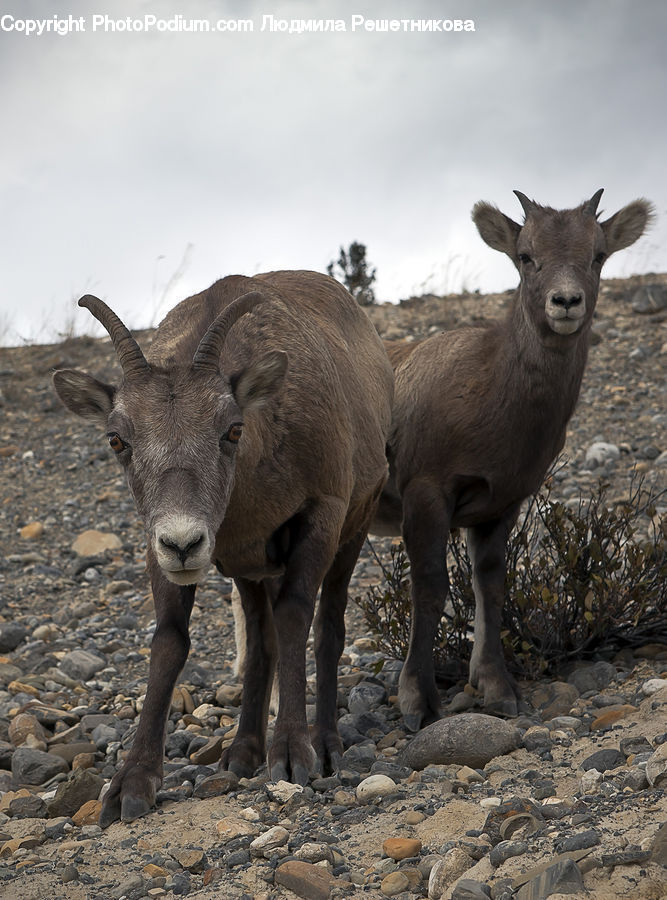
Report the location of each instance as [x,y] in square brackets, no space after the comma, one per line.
[252,434]
[479,415]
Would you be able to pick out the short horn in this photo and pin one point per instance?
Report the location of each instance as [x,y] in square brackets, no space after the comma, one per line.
[527,205]
[131,359]
[207,355]
[591,206]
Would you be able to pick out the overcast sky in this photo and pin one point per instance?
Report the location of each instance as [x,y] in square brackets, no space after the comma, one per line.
[142,166]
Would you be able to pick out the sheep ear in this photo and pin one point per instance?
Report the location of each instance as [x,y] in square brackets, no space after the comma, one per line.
[84,395]
[256,385]
[627,225]
[495,228]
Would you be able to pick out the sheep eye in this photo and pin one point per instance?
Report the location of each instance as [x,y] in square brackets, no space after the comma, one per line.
[116,443]
[524,258]
[233,433]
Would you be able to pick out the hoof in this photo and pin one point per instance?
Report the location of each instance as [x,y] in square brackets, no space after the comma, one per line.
[413,721]
[505,709]
[110,813]
[133,808]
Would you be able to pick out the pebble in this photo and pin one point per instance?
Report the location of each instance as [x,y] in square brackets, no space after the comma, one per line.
[446,870]
[653,685]
[402,848]
[599,453]
[11,635]
[304,879]
[375,786]
[656,767]
[35,766]
[591,781]
[274,837]
[394,883]
[32,531]
[93,543]
[81,665]
[602,760]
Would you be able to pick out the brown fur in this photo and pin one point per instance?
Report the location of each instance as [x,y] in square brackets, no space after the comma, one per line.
[282,512]
[479,415]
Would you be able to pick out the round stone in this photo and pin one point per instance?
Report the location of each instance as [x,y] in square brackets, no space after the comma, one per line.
[394,884]
[401,848]
[375,786]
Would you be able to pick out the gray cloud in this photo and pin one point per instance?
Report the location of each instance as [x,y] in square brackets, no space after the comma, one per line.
[270,150]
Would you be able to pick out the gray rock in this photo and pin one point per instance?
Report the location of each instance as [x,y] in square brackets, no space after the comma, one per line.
[564,877]
[599,454]
[470,739]
[633,745]
[635,779]
[11,635]
[629,857]
[659,846]
[82,785]
[55,828]
[649,298]
[554,699]
[468,889]
[506,849]
[580,841]
[36,767]
[593,677]
[656,767]
[103,735]
[81,664]
[69,873]
[602,760]
[133,888]
[365,696]
[32,807]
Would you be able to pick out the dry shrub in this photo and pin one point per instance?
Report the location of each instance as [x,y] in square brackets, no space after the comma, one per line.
[582,579]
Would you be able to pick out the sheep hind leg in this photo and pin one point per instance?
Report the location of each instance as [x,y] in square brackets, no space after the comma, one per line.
[487,548]
[426,522]
[329,643]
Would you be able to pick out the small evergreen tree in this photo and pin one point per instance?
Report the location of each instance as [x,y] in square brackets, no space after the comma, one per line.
[352,269]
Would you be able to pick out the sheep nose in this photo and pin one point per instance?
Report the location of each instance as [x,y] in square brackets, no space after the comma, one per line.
[566,301]
[182,550]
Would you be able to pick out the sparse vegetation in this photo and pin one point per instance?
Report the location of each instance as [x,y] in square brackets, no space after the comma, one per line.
[352,270]
[580,579]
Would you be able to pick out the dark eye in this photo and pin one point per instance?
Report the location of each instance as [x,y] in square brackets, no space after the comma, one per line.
[233,433]
[600,258]
[116,443]
[524,258]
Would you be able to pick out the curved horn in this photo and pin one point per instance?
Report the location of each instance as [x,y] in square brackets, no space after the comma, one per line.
[132,360]
[207,355]
[592,205]
[527,205]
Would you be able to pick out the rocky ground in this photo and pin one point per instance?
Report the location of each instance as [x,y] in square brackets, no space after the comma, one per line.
[567,799]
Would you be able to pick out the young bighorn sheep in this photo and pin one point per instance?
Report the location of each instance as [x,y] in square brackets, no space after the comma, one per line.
[252,434]
[479,415]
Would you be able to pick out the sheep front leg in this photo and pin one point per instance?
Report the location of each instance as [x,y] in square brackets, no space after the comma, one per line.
[258,652]
[487,545]
[291,756]
[133,788]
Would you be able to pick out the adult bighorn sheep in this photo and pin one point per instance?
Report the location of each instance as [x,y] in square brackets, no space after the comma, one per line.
[479,415]
[252,434]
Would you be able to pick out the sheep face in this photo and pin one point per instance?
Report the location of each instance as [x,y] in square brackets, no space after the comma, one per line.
[559,255]
[177,434]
